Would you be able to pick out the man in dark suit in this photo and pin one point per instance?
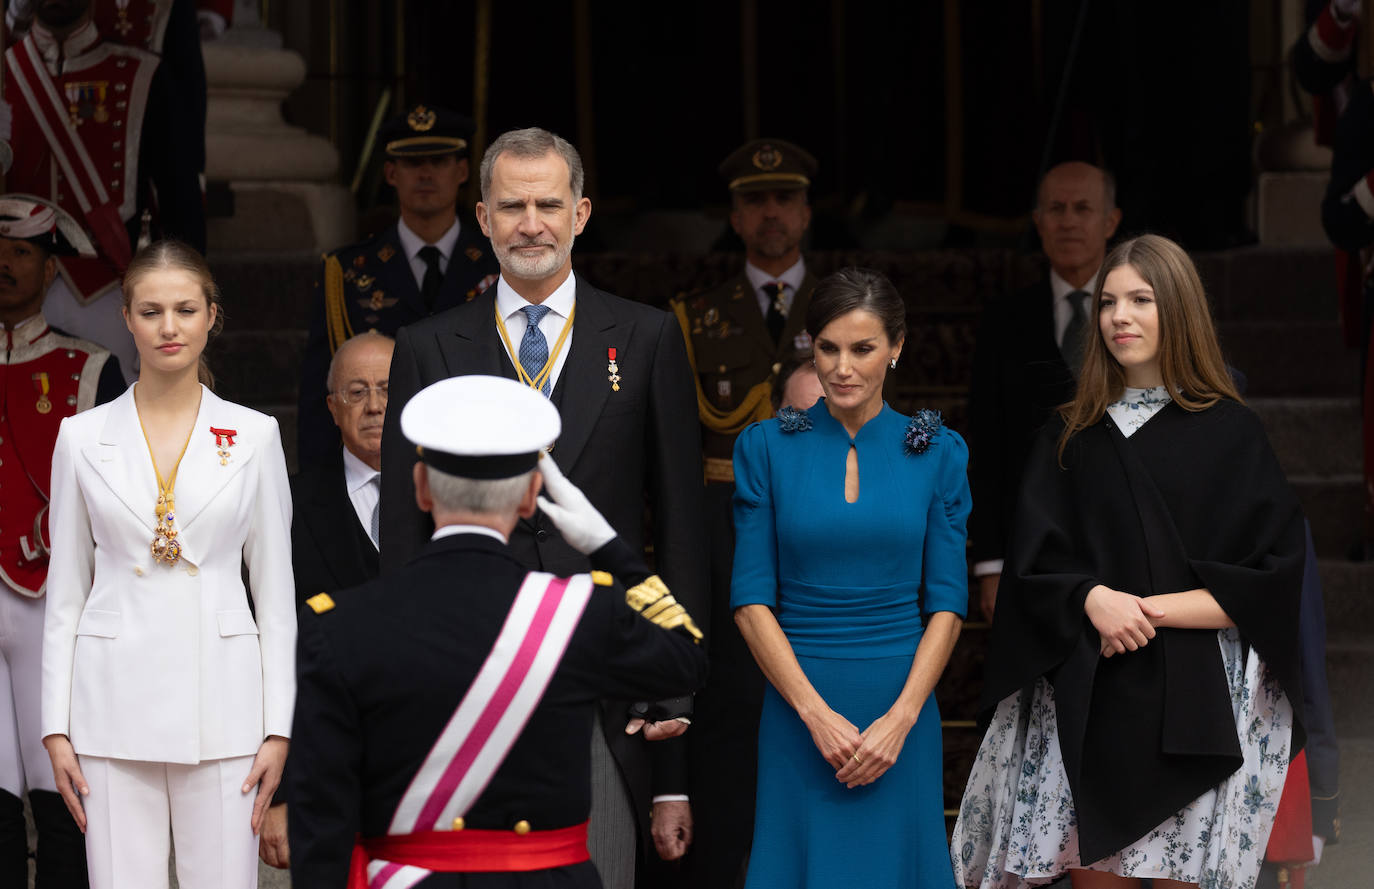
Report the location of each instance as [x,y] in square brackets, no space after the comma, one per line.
[1029,349]
[618,373]
[335,507]
[740,334]
[430,260]
[409,733]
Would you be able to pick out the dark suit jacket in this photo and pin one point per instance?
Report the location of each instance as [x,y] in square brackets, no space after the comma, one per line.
[329,548]
[1019,378]
[380,294]
[621,448]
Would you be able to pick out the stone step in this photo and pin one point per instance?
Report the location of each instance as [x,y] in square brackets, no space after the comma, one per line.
[1348,596]
[1334,505]
[265,291]
[1273,284]
[1350,674]
[1313,436]
[1285,358]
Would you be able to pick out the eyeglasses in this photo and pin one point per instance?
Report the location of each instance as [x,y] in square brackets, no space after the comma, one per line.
[356,393]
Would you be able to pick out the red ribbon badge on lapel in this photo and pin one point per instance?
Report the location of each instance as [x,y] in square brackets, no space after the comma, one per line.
[613,369]
[224,439]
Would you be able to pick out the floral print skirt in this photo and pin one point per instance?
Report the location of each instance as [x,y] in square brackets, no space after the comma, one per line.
[1017,825]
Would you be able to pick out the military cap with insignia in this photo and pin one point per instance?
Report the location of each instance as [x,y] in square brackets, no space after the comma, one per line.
[768,164]
[24,217]
[426,131]
[480,427]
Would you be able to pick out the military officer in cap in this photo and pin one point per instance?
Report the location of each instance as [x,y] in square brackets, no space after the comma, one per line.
[430,260]
[45,376]
[444,711]
[739,335]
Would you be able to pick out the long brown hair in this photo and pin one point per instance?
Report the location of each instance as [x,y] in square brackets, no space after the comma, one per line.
[1190,361]
[176,256]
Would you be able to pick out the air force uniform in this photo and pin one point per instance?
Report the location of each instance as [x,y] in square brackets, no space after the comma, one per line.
[403,733]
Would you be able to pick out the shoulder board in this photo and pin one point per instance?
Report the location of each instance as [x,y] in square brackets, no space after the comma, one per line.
[320,603]
[603,578]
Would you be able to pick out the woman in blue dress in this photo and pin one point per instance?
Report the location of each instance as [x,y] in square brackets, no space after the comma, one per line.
[850,587]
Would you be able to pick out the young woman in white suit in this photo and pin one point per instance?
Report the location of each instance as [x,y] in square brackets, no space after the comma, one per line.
[165,701]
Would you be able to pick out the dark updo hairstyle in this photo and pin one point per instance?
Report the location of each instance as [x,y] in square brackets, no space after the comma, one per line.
[855,288]
[176,256]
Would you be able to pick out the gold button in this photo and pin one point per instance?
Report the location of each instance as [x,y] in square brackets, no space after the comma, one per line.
[192,570]
[459,823]
[722,369]
[138,569]
[522,827]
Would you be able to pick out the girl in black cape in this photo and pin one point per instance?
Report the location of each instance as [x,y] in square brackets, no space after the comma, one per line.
[1142,681]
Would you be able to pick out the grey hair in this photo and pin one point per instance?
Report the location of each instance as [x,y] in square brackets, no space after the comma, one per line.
[529,143]
[498,496]
[1108,187]
[367,336]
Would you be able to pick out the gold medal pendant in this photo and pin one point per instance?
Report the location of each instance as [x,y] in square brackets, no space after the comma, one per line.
[165,548]
[44,404]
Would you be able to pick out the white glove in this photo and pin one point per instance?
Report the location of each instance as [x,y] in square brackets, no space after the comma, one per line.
[585,529]
[1346,10]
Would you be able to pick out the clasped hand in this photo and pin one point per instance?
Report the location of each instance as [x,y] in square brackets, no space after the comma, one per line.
[1123,622]
[860,758]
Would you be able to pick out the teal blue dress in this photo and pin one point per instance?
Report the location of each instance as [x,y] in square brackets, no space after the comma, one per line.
[852,585]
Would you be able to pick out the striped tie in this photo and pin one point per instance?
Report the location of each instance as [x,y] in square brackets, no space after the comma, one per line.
[375,531]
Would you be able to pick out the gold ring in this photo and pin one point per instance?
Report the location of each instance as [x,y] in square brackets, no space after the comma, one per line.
[855,757]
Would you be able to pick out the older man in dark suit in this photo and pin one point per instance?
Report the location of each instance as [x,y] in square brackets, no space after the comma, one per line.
[619,375]
[1029,349]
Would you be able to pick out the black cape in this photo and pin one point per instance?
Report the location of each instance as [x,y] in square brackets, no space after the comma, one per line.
[1190,500]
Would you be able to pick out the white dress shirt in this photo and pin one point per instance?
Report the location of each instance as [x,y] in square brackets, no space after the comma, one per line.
[412,244]
[792,278]
[560,303]
[1063,309]
[363,492]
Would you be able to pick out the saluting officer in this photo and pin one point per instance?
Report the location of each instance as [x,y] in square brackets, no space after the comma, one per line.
[444,711]
[430,260]
[739,335]
[45,376]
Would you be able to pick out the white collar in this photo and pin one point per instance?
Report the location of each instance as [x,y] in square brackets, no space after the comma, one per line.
[508,302]
[28,329]
[792,277]
[1061,288]
[356,472]
[80,40]
[412,243]
[450,530]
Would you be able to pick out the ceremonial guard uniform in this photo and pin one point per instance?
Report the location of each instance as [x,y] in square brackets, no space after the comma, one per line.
[737,346]
[372,285]
[409,728]
[95,130]
[45,376]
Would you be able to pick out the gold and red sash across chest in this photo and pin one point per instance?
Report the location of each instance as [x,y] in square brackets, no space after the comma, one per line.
[475,742]
[52,109]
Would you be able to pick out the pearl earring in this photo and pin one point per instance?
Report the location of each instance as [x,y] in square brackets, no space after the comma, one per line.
[893,364]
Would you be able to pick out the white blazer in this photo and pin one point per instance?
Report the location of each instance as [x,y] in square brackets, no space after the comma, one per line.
[165,663]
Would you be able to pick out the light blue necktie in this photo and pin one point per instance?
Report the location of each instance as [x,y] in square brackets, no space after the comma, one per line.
[534,349]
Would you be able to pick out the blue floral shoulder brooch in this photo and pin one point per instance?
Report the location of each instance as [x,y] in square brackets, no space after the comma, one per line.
[920,432]
[792,420]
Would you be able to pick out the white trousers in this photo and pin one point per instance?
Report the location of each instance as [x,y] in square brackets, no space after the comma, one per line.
[23,760]
[101,322]
[132,805]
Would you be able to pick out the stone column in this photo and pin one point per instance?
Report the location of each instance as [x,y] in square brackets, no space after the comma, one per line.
[284,179]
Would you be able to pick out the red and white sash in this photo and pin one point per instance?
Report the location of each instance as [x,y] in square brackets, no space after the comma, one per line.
[45,102]
[491,715]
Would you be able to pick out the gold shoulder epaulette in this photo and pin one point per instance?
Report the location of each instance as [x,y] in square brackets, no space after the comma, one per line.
[656,604]
[320,603]
[603,578]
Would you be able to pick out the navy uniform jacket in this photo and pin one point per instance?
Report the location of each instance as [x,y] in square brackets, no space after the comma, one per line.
[379,293]
[381,673]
